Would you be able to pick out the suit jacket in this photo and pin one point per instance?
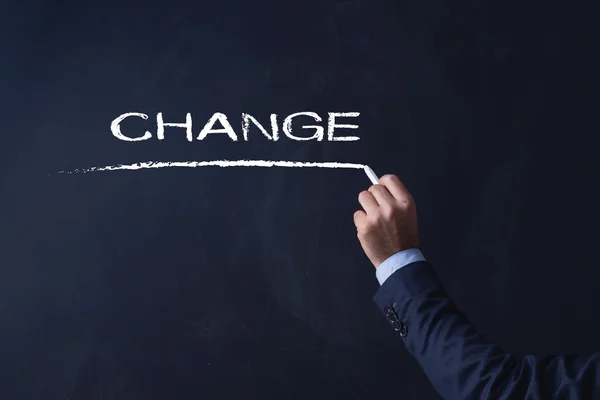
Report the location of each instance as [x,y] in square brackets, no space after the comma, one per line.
[461,363]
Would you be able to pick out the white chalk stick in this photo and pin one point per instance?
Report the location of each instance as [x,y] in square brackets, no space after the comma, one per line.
[371,174]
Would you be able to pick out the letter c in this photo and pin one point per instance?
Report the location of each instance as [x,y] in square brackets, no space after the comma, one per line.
[116,129]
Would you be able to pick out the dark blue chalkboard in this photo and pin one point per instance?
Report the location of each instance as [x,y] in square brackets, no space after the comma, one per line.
[230,283]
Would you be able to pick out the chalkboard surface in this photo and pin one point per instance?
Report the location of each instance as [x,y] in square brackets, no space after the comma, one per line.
[249,282]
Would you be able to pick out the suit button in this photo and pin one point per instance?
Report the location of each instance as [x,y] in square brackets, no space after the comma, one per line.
[403,330]
[396,323]
[391,315]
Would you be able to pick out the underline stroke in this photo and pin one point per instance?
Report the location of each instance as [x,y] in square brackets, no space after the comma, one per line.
[216,163]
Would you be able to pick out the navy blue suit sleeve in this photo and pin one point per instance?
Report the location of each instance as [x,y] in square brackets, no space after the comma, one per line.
[463,364]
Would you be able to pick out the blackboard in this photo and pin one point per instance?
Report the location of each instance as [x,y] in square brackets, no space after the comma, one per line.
[227,283]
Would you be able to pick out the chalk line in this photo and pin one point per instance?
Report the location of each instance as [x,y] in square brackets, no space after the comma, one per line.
[217,163]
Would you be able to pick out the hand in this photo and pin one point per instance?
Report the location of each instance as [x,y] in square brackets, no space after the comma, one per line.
[388,223]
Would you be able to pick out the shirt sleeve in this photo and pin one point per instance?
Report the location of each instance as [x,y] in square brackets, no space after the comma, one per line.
[397,261]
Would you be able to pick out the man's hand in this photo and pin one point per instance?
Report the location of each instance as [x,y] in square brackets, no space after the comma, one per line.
[388,223]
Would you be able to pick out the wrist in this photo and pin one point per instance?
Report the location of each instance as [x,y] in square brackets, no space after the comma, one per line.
[396,261]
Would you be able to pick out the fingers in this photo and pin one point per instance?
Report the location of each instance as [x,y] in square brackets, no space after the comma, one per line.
[382,198]
[382,195]
[367,201]
[359,218]
[395,187]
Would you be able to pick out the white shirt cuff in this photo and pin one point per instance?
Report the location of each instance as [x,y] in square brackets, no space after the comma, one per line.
[397,261]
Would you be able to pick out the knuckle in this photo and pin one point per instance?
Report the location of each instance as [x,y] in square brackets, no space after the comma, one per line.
[388,213]
[408,203]
[376,188]
[369,225]
[374,214]
[389,178]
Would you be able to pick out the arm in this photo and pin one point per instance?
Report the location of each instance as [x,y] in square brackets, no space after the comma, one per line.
[460,362]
